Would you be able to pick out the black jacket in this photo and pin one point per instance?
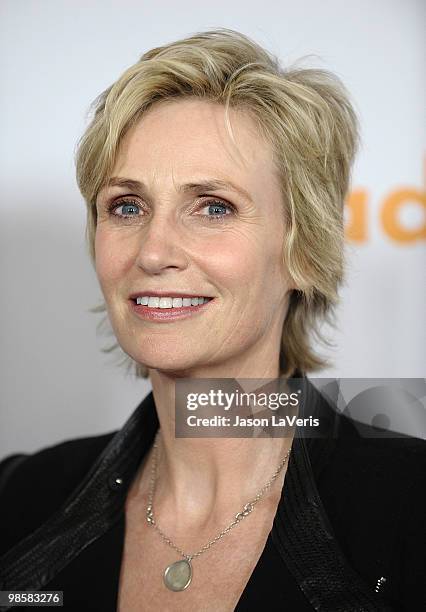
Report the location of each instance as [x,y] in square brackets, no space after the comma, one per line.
[352,511]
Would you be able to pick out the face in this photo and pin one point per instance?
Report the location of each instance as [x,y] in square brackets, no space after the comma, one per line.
[193,216]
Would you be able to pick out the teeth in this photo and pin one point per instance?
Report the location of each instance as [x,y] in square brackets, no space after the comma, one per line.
[169,302]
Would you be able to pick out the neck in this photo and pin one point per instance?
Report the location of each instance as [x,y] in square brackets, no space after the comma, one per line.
[198,477]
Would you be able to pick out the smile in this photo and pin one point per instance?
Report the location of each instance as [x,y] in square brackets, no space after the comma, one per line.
[168,308]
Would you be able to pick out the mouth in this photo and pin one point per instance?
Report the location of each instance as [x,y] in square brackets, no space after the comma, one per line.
[162,307]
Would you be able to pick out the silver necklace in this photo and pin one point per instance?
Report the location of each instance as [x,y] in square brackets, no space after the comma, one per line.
[178,575]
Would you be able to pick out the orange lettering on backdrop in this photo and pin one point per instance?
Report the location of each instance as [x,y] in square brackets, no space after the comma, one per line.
[356,225]
[390,211]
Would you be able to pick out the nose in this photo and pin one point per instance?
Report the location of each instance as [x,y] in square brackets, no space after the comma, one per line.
[162,246]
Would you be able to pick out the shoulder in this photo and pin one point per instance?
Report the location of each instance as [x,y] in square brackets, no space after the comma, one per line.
[372,469]
[362,457]
[396,461]
[33,486]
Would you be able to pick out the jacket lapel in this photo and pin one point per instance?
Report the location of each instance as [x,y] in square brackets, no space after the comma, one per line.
[91,580]
[302,532]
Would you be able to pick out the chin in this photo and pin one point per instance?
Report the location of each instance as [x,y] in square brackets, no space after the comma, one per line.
[167,362]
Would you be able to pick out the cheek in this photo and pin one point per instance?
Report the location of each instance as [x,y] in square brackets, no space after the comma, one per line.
[232,260]
[111,260]
[251,260]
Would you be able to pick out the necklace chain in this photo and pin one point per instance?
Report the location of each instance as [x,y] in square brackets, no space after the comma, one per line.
[247,509]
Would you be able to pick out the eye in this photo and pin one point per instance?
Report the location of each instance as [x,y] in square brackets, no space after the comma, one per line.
[124,208]
[216,210]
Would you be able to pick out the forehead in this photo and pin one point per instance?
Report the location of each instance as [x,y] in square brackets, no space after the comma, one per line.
[189,139]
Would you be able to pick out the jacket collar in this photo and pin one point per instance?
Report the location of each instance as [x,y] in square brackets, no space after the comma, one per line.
[95,513]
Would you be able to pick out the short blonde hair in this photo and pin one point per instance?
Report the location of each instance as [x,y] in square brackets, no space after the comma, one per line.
[310,122]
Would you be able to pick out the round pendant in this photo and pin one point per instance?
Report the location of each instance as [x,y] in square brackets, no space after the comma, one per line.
[178,575]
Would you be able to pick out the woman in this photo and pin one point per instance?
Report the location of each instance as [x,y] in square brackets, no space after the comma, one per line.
[215,182]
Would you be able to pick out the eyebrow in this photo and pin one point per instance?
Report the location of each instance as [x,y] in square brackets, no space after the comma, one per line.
[206,185]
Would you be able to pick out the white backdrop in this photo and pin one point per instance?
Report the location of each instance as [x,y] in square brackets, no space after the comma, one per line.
[57,56]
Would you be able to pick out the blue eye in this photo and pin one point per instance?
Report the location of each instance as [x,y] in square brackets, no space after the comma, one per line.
[217,210]
[129,208]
